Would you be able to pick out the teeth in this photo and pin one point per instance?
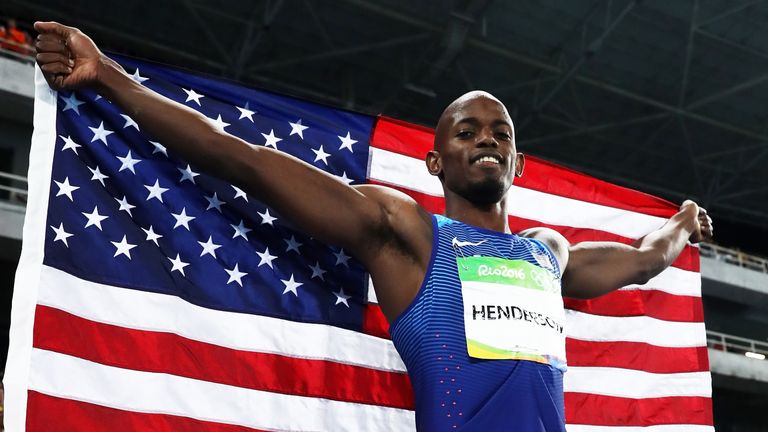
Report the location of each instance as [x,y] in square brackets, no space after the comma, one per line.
[488,159]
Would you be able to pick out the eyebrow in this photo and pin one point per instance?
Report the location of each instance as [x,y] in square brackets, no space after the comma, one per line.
[474,122]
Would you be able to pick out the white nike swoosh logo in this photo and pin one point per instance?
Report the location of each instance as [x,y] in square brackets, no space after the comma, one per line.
[458,243]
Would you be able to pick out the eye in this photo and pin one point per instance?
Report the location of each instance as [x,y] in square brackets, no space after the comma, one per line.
[504,136]
[464,134]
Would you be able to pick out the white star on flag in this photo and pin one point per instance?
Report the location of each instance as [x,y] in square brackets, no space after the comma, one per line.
[240,230]
[343,177]
[341,297]
[214,202]
[235,275]
[266,258]
[193,96]
[209,247]
[155,191]
[272,140]
[267,218]
[178,264]
[123,247]
[69,143]
[291,285]
[182,219]
[152,235]
[218,123]
[341,258]
[100,133]
[137,77]
[72,103]
[128,162]
[61,235]
[293,244]
[317,271]
[298,128]
[239,193]
[97,175]
[94,218]
[159,148]
[246,113]
[188,174]
[125,206]
[346,142]
[65,188]
[320,154]
[129,122]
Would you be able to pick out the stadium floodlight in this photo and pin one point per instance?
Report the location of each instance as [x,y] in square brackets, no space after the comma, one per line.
[758,356]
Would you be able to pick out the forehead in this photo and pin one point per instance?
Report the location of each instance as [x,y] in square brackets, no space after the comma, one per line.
[482,109]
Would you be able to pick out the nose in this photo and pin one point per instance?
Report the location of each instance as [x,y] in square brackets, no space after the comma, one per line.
[487,139]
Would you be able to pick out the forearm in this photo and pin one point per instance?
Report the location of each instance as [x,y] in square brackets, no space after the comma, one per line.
[661,247]
[182,129]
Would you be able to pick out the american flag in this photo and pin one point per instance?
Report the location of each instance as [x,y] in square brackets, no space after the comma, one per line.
[151,296]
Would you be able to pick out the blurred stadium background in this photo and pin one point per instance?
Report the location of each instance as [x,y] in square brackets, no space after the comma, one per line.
[665,97]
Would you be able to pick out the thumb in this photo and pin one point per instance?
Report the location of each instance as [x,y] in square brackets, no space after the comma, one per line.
[53,27]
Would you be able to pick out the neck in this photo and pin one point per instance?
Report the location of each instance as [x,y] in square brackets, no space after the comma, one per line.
[491,216]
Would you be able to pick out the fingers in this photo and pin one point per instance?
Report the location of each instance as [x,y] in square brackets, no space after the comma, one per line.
[57,68]
[53,27]
[705,224]
[48,57]
[51,43]
[53,57]
[56,82]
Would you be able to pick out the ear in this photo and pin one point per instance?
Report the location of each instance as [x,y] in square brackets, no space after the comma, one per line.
[519,165]
[434,164]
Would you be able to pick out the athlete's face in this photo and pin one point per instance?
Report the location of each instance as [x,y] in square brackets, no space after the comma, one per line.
[475,154]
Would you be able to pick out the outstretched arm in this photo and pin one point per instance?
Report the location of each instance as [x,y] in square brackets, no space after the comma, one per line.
[596,268]
[356,218]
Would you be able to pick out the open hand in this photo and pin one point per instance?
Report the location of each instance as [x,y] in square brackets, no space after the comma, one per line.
[68,58]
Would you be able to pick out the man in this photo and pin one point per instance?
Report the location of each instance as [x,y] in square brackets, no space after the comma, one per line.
[476,312]
[14,39]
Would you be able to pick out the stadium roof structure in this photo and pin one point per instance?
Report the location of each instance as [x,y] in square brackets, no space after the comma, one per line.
[666,97]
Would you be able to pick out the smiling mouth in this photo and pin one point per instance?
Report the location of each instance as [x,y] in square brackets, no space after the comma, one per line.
[487,160]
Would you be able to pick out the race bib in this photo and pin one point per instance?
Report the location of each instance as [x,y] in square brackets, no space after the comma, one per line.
[512,310]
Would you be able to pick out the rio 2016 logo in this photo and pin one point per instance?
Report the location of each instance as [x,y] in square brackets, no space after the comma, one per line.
[502,270]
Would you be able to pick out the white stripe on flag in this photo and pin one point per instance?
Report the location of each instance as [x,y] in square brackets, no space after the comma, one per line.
[73,378]
[636,384]
[404,171]
[673,281]
[28,272]
[159,312]
[654,428]
[599,328]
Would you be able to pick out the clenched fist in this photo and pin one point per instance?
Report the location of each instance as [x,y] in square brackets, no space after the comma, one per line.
[68,58]
[703,223]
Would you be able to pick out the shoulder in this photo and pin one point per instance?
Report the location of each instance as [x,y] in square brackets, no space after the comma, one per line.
[402,221]
[553,239]
[394,203]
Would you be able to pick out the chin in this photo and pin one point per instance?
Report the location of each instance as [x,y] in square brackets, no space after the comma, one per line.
[486,192]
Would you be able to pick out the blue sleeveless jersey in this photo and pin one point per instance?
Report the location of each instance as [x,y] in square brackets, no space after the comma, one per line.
[453,391]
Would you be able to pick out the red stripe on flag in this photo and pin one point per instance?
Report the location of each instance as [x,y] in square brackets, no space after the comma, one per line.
[599,410]
[415,141]
[652,303]
[169,353]
[636,355]
[374,321]
[627,355]
[49,413]
[402,137]
[687,260]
